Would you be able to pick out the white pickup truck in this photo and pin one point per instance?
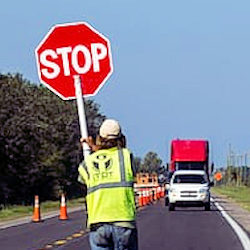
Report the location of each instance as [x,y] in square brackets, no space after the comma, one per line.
[189,187]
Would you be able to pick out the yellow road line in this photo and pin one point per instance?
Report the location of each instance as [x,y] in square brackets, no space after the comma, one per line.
[48,246]
[60,242]
[64,241]
[76,235]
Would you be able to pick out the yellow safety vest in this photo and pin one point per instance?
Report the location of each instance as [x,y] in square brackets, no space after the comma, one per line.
[109,178]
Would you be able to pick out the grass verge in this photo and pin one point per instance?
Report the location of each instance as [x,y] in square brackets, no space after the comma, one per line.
[15,212]
[240,195]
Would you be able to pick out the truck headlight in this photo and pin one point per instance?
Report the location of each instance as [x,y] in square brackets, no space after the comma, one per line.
[203,190]
[172,190]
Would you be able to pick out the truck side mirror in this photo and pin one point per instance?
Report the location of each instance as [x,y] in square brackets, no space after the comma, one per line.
[211,184]
[161,169]
[167,167]
[212,167]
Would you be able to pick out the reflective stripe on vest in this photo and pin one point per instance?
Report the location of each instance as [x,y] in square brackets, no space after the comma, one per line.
[110,185]
[122,166]
[122,183]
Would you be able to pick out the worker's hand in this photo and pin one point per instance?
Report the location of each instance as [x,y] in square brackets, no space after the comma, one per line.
[90,142]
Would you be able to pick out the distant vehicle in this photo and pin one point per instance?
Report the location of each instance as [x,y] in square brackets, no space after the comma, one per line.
[189,187]
[190,155]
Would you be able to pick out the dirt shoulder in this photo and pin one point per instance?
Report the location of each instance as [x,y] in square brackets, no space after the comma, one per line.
[239,214]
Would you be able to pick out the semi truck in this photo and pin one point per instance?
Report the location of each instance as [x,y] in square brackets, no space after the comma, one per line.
[190,155]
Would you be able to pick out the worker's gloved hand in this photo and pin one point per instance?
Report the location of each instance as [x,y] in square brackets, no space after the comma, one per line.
[90,142]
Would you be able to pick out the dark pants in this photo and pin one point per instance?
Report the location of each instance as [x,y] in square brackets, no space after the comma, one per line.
[110,237]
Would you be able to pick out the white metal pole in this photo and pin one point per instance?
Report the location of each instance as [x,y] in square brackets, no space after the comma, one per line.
[81,113]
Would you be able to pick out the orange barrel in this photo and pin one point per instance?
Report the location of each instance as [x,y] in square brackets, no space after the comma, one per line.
[144,197]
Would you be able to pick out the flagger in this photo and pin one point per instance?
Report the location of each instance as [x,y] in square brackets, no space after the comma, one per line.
[108,174]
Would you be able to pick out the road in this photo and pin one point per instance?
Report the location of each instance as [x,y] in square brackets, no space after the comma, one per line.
[183,229]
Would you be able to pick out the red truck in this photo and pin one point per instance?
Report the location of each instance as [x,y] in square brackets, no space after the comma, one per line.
[190,155]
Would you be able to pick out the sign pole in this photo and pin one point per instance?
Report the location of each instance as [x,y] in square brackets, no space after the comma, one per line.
[81,114]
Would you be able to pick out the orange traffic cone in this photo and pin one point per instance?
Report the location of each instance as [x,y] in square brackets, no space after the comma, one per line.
[155,194]
[151,195]
[63,209]
[147,196]
[140,199]
[144,197]
[158,192]
[36,211]
[162,192]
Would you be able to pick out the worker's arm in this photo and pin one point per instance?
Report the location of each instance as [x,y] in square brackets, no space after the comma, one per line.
[82,169]
[80,179]
[133,164]
[91,143]
[83,173]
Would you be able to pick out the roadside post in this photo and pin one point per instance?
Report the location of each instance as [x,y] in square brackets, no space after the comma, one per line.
[74,61]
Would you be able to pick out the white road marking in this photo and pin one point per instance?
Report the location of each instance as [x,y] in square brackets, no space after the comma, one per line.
[243,237]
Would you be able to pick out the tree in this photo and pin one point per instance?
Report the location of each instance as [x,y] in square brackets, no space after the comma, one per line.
[151,163]
[137,163]
[39,141]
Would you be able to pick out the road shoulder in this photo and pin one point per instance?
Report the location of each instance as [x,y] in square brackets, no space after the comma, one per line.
[28,219]
[240,215]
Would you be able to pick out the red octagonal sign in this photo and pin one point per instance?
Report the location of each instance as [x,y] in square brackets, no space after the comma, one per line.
[74,49]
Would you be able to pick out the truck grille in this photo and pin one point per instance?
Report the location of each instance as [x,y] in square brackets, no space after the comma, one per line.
[189,194]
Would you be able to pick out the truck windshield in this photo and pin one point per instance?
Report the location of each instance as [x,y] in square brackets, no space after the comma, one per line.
[190,165]
[190,178]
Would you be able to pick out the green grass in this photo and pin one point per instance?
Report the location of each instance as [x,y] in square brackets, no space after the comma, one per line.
[14,212]
[240,195]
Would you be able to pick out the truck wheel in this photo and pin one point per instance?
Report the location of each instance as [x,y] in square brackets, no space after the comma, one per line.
[207,206]
[166,201]
[171,207]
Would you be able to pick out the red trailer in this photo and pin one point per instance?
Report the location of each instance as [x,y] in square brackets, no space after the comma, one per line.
[190,155]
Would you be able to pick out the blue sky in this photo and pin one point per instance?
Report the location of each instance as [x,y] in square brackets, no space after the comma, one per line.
[181,68]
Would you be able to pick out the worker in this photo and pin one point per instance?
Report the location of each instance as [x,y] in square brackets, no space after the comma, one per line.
[108,174]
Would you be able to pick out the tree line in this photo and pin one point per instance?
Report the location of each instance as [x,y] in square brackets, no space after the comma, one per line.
[151,163]
[39,142]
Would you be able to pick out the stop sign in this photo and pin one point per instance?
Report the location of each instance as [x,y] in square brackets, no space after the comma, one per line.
[74,49]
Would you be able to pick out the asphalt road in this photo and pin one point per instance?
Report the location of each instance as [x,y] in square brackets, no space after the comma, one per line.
[183,229]
[39,235]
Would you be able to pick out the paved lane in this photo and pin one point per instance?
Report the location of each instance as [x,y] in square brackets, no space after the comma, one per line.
[183,229]
[38,235]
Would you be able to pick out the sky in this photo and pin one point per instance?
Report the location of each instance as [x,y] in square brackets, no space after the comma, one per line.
[181,68]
